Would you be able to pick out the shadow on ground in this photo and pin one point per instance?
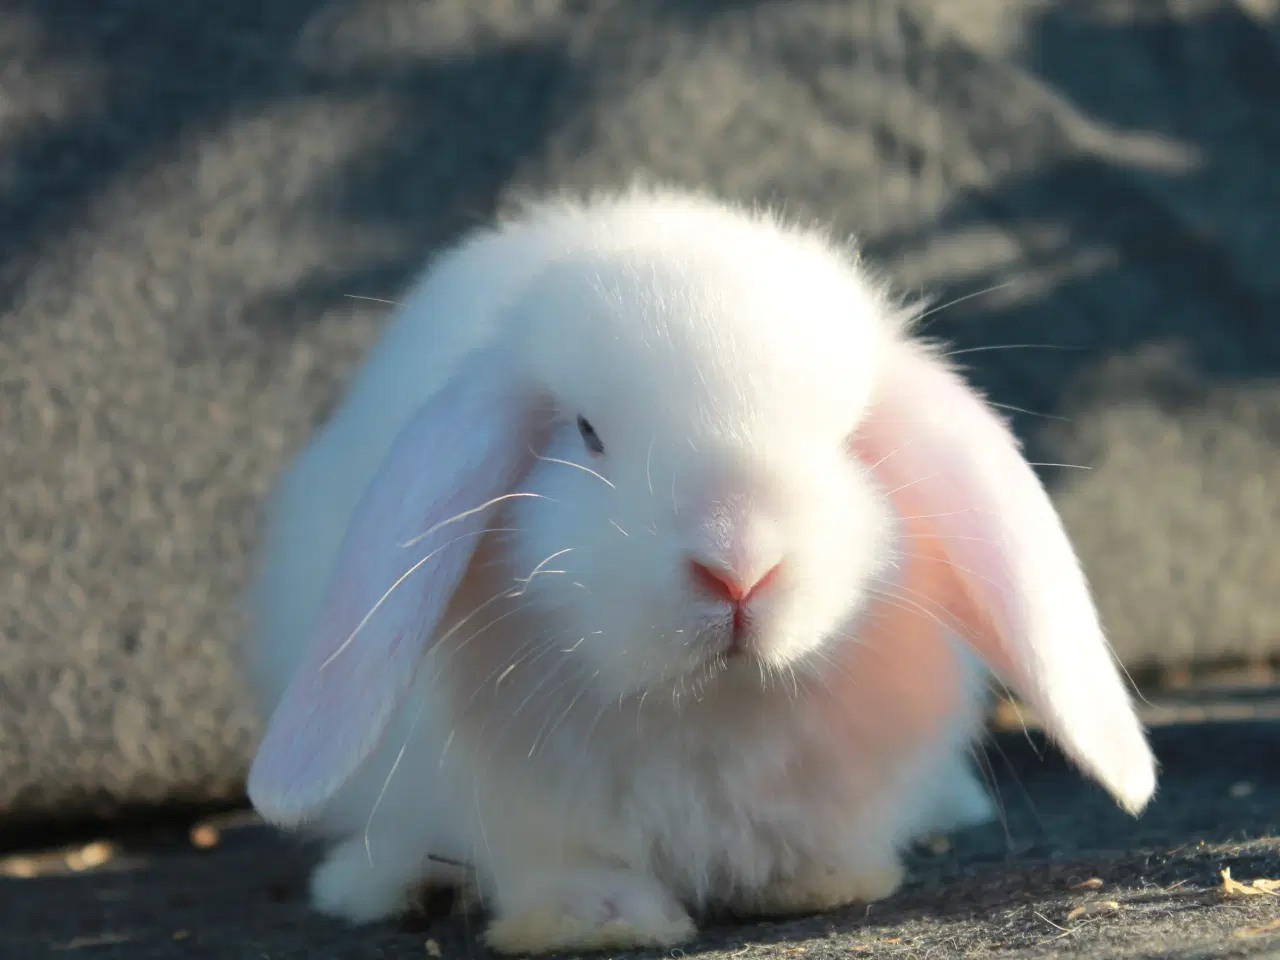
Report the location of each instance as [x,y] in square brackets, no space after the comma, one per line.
[1064,874]
[1174,302]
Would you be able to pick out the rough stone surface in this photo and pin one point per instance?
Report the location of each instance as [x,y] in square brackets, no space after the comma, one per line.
[189,193]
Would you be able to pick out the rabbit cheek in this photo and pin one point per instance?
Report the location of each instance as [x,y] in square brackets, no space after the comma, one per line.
[905,673]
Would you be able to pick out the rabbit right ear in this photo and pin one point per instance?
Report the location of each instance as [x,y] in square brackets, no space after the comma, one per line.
[408,544]
[989,551]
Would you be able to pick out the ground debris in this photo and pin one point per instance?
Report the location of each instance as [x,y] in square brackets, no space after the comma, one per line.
[1095,908]
[1093,883]
[1271,926]
[74,860]
[204,836]
[1232,887]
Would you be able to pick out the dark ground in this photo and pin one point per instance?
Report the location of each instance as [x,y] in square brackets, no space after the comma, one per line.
[190,192]
[1065,874]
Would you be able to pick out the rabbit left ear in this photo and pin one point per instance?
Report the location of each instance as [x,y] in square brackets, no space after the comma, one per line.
[407,547]
[989,551]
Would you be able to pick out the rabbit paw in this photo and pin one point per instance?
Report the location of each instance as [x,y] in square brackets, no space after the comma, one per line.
[590,910]
[818,889]
[353,886]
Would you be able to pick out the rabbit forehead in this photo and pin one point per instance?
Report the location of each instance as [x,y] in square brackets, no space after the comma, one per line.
[708,337]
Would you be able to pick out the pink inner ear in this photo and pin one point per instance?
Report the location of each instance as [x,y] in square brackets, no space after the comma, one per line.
[992,559]
[908,674]
[925,508]
[407,546]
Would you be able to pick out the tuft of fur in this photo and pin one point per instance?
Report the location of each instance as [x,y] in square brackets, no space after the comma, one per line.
[573,729]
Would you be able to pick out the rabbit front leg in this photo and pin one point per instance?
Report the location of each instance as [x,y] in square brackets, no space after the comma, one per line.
[856,873]
[570,903]
[353,885]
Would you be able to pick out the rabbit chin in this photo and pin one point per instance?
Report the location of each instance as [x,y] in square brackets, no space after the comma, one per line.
[702,653]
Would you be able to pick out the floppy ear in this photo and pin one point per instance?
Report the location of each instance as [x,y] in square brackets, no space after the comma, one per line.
[991,555]
[408,544]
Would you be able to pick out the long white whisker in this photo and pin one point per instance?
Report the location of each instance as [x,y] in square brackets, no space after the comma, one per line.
[391,589]
[474,510]
[890,454]
[952,513]
[368,824]
[908,605]
[959,300]
[570,463]
[648,461]
[910,483]
[1030,413]
[539,568]
[492,623]
[955,566]
[1009,346]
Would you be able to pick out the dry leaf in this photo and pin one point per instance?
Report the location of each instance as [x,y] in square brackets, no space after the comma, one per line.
[90,856]
[19,867]
[1254,888]
[1097,908]
[1268,927]
[204,836]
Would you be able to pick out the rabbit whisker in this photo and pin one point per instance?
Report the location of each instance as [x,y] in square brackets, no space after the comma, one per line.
[648,465]
[1009,346]
[391,589]
[555,726]
[1069,466]
[922,606]
[567,671]
[539,568]
[579,466]
[474,510]
[939,536]
[888,456]
[910,483]
[395,765]
[1030,413]
[505,671]
[954,566]
[950,513]
[538,737]
[933,311]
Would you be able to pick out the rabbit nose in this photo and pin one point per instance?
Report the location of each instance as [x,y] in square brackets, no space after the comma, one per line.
[726,585]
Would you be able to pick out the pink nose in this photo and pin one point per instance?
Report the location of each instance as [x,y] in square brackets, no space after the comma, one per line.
[723,585]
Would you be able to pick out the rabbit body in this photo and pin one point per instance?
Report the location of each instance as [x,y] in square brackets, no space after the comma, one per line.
[557,696]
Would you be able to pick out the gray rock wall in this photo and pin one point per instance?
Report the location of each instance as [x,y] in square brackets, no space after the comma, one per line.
[190,191]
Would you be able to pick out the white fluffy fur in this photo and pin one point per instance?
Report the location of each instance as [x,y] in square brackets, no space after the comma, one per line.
[579,745]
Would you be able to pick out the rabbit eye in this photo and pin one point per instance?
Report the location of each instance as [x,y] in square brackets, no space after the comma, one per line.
[589,436]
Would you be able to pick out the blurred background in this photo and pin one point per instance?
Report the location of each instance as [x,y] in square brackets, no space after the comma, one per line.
[192,194]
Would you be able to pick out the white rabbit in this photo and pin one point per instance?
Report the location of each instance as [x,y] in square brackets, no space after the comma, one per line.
[645,568]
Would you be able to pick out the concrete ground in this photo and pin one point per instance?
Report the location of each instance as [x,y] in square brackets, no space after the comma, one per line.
[1064,874]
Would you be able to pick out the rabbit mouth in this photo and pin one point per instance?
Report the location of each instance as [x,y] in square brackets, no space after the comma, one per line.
[735,637]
